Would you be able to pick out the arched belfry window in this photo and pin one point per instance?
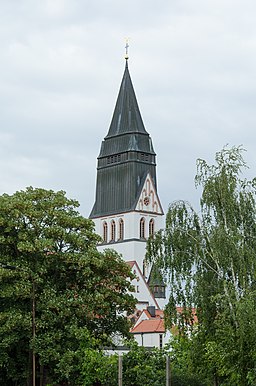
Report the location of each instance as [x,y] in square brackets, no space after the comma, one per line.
[151,228]
[105,232]
[113,230]
[142,228]
[121,229]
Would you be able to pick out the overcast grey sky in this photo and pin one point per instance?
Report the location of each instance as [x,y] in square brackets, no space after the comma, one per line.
[192,65]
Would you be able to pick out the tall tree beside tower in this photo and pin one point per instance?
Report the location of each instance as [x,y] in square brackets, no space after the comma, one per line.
[60,291]
[210,261]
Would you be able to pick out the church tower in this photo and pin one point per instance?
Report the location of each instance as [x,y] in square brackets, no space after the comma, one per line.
[127,209]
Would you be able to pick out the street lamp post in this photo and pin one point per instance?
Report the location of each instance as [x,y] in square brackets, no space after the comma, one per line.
[33,334]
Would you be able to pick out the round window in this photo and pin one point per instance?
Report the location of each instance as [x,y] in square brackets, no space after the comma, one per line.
[146,201]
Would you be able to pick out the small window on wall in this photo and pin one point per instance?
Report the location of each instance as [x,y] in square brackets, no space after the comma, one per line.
[121,229]
[160,341]
[105,232]
[113,230]
[142,228]
[151,227]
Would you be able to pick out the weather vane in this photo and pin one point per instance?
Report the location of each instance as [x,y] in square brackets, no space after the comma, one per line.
[126,48]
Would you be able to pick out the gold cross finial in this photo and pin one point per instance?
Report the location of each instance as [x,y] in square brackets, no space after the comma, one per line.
[126,48]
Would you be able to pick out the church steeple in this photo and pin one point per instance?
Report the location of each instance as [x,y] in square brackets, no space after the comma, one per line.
[126,156]
[126,117]
[127,210]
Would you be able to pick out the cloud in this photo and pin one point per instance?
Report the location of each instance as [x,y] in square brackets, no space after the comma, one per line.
[192,66]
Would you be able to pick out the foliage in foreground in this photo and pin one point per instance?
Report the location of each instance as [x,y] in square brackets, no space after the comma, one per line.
[209,259]
[140,367]
[75,289]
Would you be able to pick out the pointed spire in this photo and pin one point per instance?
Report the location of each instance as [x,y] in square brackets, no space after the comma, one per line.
[126,117]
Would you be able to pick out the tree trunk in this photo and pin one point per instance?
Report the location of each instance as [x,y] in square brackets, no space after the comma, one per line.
[215,381]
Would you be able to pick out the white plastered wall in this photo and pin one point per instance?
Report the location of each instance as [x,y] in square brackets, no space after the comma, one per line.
[131,247]
[142,291]
[152,339]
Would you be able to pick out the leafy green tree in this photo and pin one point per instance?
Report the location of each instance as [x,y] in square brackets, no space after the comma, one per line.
[140,365]
[209,259]
[97,367]
[60,288]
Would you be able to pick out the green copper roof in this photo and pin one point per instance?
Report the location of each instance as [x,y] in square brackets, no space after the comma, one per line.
[126,131]
[125,157]
[126,117]
[156,282]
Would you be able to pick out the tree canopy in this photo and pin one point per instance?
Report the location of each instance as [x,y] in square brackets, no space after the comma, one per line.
[209,259]
[75,290]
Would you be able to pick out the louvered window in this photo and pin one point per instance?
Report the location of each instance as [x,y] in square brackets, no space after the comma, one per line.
[113,230]
[105,232]
[142,228]
[121,229]
[151,227]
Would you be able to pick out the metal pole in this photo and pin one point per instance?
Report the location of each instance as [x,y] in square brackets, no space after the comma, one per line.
[168,371]
[120,370]
[33,335]
[7,266]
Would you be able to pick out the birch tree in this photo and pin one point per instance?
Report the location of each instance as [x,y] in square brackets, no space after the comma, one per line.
[209,258]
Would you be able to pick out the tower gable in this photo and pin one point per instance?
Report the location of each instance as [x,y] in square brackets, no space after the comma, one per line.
[148,200]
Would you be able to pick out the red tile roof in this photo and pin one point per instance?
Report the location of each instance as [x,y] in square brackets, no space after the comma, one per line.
[180,310]
[131,263]
[149,325]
